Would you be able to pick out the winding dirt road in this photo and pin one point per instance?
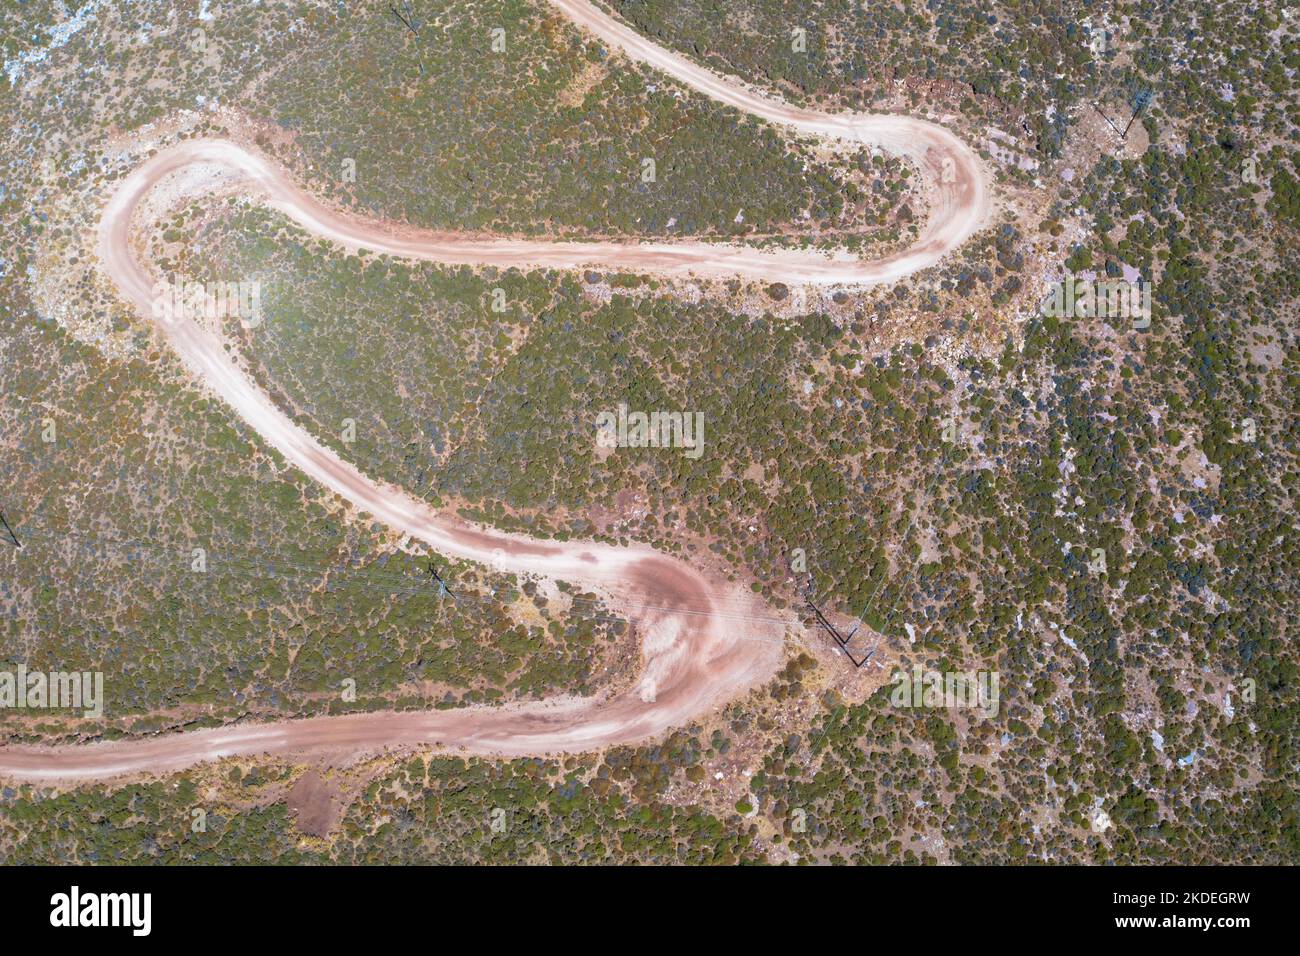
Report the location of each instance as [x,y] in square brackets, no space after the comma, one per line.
[704,641]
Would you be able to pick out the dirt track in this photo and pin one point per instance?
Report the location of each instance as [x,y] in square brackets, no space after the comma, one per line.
[703,641]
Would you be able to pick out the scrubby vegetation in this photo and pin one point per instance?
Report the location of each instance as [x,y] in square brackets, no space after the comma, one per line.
[286,596]
[422,810]
[546,135]
[1103,514]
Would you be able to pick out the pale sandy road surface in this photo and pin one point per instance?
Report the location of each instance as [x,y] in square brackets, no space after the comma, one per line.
[704,641]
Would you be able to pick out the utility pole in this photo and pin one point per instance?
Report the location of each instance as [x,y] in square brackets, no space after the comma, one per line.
[17,544]
[442,585]
[408,21]
[1140,103]
[840,639]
